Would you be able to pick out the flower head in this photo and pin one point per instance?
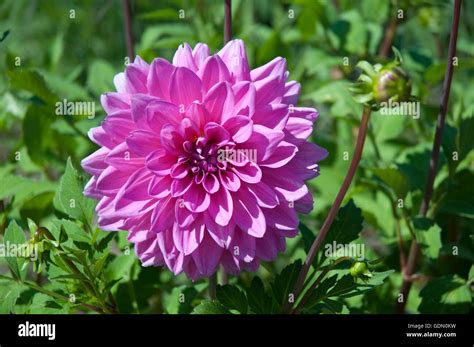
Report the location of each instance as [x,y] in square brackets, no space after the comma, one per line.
[203,160]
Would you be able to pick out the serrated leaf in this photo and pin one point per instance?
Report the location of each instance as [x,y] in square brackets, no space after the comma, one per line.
[232,297]
[393,178]
[33,82]
[284,282]
[446,295]
[69,196]
[210,307]
[181,299]
[15,237]
[345,228]
[259,301]
[308,236]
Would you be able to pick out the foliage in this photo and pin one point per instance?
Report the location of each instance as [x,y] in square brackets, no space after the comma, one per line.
[80,268]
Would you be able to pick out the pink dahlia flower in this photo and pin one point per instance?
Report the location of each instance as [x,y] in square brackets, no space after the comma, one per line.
[203,160]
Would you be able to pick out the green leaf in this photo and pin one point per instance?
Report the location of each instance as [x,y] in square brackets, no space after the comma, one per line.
[100,76]
[445,295]
[181,299]
[466,140]
[33,82]
[393,178]
[14,238]
[428,235]
[232,298]
[9,295]
[456,194]
[69,196]
[308,236]
[345,228]
[320,291]
[285,281]
[259,301]
[210,307]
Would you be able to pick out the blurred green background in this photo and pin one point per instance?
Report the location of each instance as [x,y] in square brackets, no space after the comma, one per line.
[76,58]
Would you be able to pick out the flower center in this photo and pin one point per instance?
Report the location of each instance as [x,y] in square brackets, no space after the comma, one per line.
[203,156]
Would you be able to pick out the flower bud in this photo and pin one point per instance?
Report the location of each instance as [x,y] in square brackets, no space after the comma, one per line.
[378,83]
[359,270]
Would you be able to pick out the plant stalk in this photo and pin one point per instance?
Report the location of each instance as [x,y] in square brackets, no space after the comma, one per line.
[335,206]
[443,107]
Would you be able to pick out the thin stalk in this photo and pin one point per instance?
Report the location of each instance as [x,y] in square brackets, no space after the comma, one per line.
[443,107]
[316,283]
[127,18]
[336,205]
[227,21]
[59,296]
[212,286]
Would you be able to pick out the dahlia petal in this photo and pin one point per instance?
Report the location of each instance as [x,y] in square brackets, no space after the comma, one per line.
[299,127]
[159,187]
[248,216]
[233,54]
[143,142]
[160,113]
[171,139]
[216,133]
[211,183]
[121,158]
[100,137]
[179,170]
[196,199]
[187,240]
[243,246]
[184,217]
[263,140]
[135,79]
[140,102]
[282,217]
[198,113]
[292,92]
[283,153]
[240,128]
[114,102]
[276,67]
[181,186]
[200,53]
[269,90]
[222,235]
[136,187]
[111,180]
[213,72]
[244,93]
[160,162]
[219,101]
[267,246]
[94,163]
[221,208]
[158,80]
[249,173]
[184,57]
[264,194]
[273,116]
[185,87]
[118,126]
[207,256]
[229,180]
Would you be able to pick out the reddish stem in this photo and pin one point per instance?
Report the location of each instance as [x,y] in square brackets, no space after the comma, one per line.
[415,248]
